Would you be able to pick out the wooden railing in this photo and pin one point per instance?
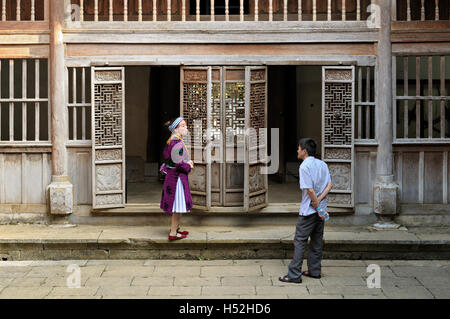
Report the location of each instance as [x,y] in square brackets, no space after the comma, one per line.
[220,10]
[24,10]
[421,10]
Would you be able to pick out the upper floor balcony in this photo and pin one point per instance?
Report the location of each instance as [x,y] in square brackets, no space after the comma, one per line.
[203,21]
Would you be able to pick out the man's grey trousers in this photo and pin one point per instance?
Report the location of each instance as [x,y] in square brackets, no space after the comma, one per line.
[307,226]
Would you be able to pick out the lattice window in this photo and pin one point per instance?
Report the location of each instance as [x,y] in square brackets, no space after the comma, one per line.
[79,107]
[24,107]
[338,118]
[365,104]
[195,104]
[422,99]
[235,107]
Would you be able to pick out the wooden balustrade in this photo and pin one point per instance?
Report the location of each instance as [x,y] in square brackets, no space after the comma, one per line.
[24,10]
[225,10]
[415,10]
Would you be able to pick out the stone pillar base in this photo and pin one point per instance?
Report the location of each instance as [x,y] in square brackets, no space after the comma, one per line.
[386,194]
[60,193]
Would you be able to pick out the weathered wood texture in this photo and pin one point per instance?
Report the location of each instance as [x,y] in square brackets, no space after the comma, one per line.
[24,177]
[100,50]
[420,171]
[80,174]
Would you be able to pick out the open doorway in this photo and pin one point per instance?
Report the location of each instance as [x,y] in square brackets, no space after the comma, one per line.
[152,97]
[295,107]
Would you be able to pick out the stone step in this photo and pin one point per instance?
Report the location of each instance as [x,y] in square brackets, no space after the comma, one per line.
[62,242]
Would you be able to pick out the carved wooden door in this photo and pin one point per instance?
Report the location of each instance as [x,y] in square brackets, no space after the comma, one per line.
[337,132]
[255,181]
[108,137]
[225,108]
[233,116]
[195,107]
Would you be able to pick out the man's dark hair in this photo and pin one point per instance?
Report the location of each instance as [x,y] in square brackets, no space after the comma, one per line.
[309,144]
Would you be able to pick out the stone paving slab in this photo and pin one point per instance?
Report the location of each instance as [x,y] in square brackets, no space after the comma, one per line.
[218,280]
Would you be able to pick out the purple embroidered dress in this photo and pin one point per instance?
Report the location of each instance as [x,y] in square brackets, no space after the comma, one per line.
[176,183]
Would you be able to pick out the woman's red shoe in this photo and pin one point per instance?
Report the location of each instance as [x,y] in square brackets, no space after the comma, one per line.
[177,237]
[184,232]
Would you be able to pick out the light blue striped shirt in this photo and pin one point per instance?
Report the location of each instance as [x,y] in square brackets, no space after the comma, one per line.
[313,174]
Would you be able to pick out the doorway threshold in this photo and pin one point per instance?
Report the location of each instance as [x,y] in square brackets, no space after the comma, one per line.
[272,208]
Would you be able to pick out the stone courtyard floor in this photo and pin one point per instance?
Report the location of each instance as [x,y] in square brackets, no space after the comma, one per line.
[220,279]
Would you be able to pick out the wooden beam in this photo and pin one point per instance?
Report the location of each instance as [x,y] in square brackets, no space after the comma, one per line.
[36,95]
[406,92]
[205,60]
[442,89]
[418,119]
[223,32]
[430,93]
[24,95]
[11,96]
[297,50]
[414,49]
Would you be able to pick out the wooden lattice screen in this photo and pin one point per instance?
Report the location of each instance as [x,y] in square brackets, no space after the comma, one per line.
[108,132]
[337,134]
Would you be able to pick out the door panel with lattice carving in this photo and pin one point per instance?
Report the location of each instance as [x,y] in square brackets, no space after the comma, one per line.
[195,107]
[337,132]
[256,182]
[108,137]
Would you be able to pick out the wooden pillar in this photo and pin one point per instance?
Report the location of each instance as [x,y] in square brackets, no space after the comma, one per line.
[60,187]
[385,188]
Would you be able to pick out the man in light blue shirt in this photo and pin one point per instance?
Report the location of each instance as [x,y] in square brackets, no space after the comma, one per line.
[314,174]
[315,183]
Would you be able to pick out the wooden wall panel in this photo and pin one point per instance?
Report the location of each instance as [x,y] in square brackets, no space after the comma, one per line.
[448,178]
[80,175]
[410,174]
[13,178]
[398,178]
[362,191]
[33,172]
[432,192]
[24,177]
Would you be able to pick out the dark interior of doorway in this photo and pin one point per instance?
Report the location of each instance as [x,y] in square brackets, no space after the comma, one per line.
[295,108]
[153,97]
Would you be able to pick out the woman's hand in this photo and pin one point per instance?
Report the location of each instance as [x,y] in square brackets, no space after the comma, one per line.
[191,163]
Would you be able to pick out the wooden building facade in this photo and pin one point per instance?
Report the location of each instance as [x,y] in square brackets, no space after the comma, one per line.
[85,86]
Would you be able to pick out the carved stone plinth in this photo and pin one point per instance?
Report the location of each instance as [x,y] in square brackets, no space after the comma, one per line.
[60,193]
[386,196]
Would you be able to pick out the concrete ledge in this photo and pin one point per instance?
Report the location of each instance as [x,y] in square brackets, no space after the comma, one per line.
[31,242]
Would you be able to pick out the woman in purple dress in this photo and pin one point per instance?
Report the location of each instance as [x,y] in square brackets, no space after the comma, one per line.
[176,196]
